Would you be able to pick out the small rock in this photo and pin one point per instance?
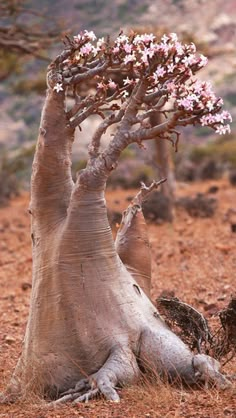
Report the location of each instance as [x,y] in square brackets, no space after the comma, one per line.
[223,297]
[233,227]
[213,189]
[211,308]
[9,339]
[26,286]
[222,247]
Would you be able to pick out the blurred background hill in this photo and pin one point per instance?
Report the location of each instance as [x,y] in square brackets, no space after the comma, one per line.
[211,24]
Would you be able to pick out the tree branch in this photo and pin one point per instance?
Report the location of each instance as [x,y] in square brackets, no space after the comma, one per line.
[144,192]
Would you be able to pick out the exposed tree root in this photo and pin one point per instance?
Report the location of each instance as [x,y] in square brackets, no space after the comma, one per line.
[120,369]
[195,331]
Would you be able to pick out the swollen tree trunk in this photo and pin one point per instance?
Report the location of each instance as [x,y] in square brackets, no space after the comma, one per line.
[92,326]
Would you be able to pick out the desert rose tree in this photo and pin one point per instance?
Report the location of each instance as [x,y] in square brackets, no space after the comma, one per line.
[92,326]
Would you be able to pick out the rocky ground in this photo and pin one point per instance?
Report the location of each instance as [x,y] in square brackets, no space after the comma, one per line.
[194,258]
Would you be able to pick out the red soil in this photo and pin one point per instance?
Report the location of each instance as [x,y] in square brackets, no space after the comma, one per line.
[194,257]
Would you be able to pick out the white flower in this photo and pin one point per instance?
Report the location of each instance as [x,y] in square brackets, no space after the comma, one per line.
[125,94]
[202,61]
[173,37]
[222,130]
[170,67]
[165,38]
[122,39]
[210,105]
[192,47]
[145,38]
[58,87]
[129,58]
[91,35]
[100,42]
[77,38]
[127,81]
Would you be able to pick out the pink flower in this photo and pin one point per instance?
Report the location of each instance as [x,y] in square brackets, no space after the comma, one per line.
[171,87]
[147,53]
[204,120]
[189,60]
[111,84]
[226,115]
[116,50]
[185,103]
[146,38]
[164,48]
[86,49]
[179,48]
[129,58]
[128,48]
[100,85]
[198,87]
[211,119]
[160,71]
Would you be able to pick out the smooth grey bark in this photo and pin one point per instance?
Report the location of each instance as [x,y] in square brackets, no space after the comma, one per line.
[91,327]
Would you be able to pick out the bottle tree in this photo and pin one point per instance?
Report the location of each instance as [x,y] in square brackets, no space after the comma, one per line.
[92,326]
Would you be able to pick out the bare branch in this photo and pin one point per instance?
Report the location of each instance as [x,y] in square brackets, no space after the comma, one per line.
[93,109]
[110,120]
[148,133]
[144,192]
[99,69]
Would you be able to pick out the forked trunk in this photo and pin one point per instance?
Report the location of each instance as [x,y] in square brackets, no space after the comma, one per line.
[88,316]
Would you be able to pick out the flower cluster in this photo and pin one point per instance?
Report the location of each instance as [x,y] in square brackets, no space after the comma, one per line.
[169,66]
[87,48]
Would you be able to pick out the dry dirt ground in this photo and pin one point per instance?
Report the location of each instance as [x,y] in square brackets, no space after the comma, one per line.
[195,258]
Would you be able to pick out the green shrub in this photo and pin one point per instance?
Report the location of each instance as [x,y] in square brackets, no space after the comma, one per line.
[14,170]
[222,150]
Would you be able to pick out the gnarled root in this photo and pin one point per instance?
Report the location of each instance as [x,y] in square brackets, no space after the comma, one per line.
[120,369]
[206,371]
